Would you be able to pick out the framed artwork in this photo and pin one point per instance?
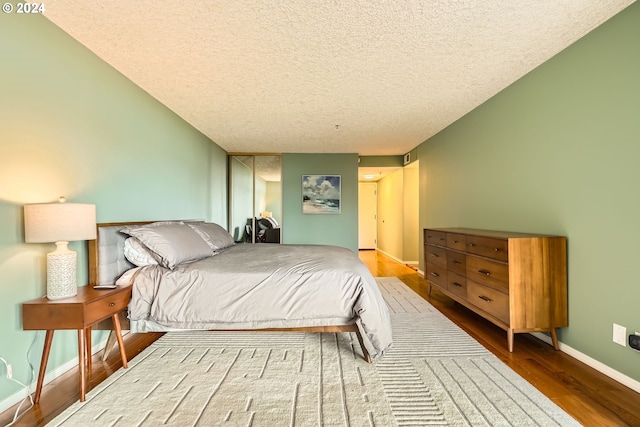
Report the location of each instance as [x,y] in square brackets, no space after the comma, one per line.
[321,194]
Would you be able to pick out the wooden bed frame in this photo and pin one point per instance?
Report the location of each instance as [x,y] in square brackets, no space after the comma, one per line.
[124,321]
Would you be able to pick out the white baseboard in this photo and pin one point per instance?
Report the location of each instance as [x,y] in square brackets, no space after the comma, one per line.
[50,376]
[598,366]
[396,259]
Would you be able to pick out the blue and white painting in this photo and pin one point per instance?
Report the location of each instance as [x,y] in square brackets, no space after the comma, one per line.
[321,194]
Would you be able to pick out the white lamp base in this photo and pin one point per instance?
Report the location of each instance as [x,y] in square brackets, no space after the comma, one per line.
[61,272]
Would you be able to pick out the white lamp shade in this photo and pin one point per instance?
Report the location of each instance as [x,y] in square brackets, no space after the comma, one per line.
[55,222]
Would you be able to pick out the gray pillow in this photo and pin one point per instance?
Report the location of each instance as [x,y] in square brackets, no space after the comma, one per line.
[173,242]
[216,237]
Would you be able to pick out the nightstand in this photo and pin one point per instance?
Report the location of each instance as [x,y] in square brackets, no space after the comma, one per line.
[89,306]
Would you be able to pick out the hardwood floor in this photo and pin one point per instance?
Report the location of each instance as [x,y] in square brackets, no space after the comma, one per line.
[589,396]
[63,391]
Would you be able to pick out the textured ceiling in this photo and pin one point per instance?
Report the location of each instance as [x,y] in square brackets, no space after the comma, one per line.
[374,77]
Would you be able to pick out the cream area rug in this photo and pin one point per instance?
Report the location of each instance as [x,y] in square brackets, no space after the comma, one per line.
[435,375]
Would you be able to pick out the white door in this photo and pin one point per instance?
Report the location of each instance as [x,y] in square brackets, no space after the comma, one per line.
[367,214]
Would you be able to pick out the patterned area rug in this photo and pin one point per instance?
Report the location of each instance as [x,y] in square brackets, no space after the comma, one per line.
[435,375]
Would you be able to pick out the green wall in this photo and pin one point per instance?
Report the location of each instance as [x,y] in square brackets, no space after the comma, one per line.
[557,152]
[380,161]
[71,125]
[338,229]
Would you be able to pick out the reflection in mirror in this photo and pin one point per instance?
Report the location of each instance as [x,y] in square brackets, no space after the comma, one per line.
[240,197]
[255,198]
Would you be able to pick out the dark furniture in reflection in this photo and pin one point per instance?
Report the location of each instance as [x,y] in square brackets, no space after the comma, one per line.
[267,230]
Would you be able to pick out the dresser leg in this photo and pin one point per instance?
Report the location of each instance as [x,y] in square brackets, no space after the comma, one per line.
[118,330]
[554,339]
[510,339]
[43,363]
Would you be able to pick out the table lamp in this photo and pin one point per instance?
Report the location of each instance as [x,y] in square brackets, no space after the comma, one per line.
[60,223]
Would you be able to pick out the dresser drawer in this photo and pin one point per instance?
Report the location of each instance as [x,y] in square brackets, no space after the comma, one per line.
[457,241]
[437,275]
[436,255]
[457,284]
[487,272]
[490,300]
[485,246]
[105,307]
[435,237]
[457,262]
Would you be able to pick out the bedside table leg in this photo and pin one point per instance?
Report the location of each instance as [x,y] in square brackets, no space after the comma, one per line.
[116,325]
[111,342]
[82,350]
[43,363]
[87,335]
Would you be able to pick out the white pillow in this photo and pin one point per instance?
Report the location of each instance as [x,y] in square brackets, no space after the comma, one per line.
[137,253]
[173,243]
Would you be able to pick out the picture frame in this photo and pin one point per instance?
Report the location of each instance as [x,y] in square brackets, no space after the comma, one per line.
[321,194]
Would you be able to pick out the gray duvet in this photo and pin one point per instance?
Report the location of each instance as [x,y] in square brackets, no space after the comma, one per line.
[265,286]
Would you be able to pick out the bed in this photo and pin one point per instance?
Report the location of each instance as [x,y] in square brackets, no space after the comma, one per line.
[226,286]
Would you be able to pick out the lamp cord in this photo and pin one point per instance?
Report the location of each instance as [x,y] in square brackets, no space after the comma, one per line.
[19,415]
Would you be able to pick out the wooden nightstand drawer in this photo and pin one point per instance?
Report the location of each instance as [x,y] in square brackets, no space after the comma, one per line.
[105,307]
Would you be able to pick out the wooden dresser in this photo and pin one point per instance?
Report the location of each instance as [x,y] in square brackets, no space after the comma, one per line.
[517,281]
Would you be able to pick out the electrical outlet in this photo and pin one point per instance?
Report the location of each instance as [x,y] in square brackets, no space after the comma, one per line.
[620,335]
[9,371]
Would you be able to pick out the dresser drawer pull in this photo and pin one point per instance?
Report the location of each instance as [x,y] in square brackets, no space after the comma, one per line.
[483,298]
[457,284]
[496,249]
[435,274]
[471,245]
[112,304]
[485,272]
[434,255]
[456,262]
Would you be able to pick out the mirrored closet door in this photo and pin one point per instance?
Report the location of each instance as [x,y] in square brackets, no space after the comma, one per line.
[255,198]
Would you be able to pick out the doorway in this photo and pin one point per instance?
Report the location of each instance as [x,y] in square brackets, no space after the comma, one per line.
[396,229]
[367,215]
